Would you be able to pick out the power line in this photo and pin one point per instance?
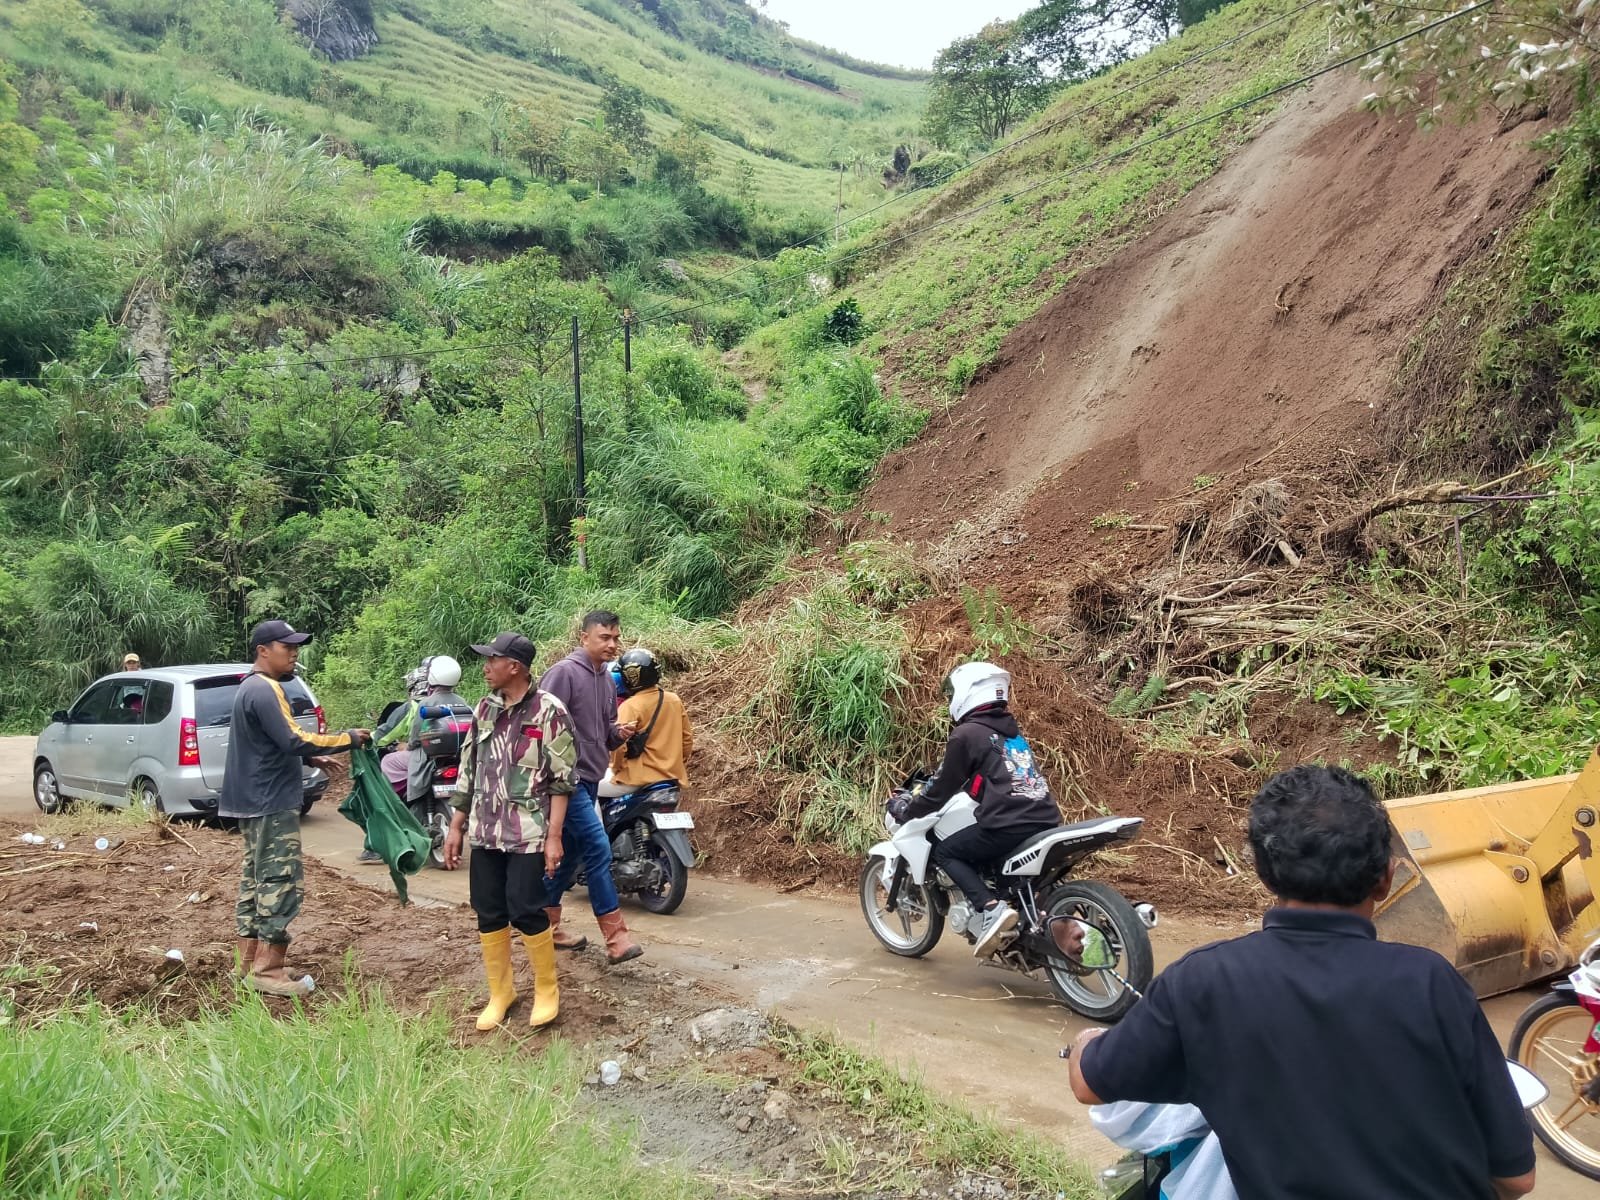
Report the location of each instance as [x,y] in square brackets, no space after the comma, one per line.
[1054,123]
[1111,157]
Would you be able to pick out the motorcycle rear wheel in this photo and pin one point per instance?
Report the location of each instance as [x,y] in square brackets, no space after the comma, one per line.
[665,898]
[1100,994]
[436,820]
[1548,1040]
[914,927]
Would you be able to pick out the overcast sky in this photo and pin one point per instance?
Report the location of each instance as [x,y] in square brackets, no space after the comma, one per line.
[902,33]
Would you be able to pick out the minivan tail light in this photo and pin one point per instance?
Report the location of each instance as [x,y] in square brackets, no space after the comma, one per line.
[322,720]
[188,743]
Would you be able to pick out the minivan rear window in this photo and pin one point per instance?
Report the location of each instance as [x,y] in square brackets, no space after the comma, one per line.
[213,700]
[157,702]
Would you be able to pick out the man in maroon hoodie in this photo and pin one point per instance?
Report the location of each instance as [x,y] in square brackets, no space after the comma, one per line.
[582,683]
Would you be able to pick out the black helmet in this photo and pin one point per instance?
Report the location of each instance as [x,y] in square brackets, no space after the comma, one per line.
[638,669]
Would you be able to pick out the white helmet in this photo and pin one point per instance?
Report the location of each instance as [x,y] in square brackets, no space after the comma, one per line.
[974,684]
[443,671]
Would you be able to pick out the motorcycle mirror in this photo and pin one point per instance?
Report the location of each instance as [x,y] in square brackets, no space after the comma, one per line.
[1530,1088]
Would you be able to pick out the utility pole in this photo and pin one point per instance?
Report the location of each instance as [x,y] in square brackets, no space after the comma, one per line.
[577,427]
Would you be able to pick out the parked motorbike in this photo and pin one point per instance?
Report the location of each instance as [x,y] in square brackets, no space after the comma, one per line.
[1558,1039]
[650,851]
[1174,1149]
[443,728]
[907,900]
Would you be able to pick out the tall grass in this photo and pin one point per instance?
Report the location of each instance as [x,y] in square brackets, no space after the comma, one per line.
[243,1105]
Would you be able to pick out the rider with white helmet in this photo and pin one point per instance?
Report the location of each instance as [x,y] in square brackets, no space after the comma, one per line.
[988,757]
[430,684]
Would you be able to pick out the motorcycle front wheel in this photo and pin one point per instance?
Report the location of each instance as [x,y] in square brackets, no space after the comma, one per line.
[1548,1040]
[1117,968]
[913,928]
[674,879]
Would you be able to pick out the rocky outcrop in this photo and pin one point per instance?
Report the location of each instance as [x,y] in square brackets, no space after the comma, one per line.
[337,29]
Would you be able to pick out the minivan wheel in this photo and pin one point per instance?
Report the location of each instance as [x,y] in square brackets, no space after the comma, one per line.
[46,790]
[147,795]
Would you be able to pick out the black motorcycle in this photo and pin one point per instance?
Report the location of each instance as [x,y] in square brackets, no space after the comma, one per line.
[650,851]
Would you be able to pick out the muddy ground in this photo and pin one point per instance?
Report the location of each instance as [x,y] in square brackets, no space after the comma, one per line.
[704,1084]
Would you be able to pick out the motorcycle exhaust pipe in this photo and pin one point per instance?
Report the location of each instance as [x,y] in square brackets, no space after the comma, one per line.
[1147,914]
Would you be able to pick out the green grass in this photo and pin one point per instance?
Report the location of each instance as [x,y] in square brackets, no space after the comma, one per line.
[436,61]
[243,1105]
[943,1134]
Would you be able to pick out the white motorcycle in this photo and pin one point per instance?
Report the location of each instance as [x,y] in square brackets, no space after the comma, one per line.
[907,899]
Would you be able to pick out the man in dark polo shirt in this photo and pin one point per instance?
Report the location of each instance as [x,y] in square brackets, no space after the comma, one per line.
[1332,1066]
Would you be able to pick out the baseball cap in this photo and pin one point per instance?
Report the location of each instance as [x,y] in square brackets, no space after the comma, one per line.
[508,645]
[276,631]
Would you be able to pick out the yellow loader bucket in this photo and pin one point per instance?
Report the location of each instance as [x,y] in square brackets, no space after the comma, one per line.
[1500,880]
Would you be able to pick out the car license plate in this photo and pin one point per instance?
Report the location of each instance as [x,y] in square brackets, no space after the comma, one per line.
[672,820]
[443,791]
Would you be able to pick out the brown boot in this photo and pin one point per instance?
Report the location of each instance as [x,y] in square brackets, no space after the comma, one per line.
[565,939]
[620,946]
[244,956]
[267,974]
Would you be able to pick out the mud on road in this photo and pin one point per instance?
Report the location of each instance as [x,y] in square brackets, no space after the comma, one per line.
[730,1103]
[705,1082]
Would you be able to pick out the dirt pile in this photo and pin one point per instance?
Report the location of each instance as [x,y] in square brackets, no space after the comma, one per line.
[1263,319]
[1160,474]
[1187,859]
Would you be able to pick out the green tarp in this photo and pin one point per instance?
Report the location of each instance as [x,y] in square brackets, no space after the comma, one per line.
[393,833]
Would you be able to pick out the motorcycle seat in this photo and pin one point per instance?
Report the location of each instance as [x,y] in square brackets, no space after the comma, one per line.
[1080,836]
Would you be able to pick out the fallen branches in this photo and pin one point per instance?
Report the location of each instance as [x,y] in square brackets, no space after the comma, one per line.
[1339,538]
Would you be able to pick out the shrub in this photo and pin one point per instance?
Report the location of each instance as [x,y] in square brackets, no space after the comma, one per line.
[844,323]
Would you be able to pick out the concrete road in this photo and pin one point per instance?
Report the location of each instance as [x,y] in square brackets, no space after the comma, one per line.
[978,1033]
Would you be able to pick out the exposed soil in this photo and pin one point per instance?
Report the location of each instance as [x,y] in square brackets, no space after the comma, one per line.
[1178,427]
[1187,858]
[704,1082]
[1269,308]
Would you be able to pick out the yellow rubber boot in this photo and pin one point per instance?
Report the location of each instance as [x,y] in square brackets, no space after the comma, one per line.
[541,949]
[502,984]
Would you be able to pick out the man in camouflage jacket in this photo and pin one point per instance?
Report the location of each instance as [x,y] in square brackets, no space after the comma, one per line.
[517,771]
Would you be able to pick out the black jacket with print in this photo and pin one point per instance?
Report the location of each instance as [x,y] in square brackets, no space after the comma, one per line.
[1009,789]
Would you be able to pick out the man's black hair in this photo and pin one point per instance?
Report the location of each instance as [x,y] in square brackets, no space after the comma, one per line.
[1319,836]
[602,618]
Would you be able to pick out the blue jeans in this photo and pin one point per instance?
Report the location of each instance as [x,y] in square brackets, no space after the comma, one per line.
[584,835]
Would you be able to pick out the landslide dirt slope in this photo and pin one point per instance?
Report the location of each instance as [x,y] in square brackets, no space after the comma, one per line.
[1265,315]
[1177,425]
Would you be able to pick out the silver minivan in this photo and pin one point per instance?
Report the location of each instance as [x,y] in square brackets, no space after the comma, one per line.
[157,737]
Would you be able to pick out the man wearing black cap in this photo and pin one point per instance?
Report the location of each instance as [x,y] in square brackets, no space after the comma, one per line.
[517,771]
[261,789]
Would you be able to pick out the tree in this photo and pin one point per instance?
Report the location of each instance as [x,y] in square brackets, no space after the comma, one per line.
[534,137]
[595,154]
[1502,55]
[623,108]
[496,109]
[983,85]
[1070,39]
[682,162]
